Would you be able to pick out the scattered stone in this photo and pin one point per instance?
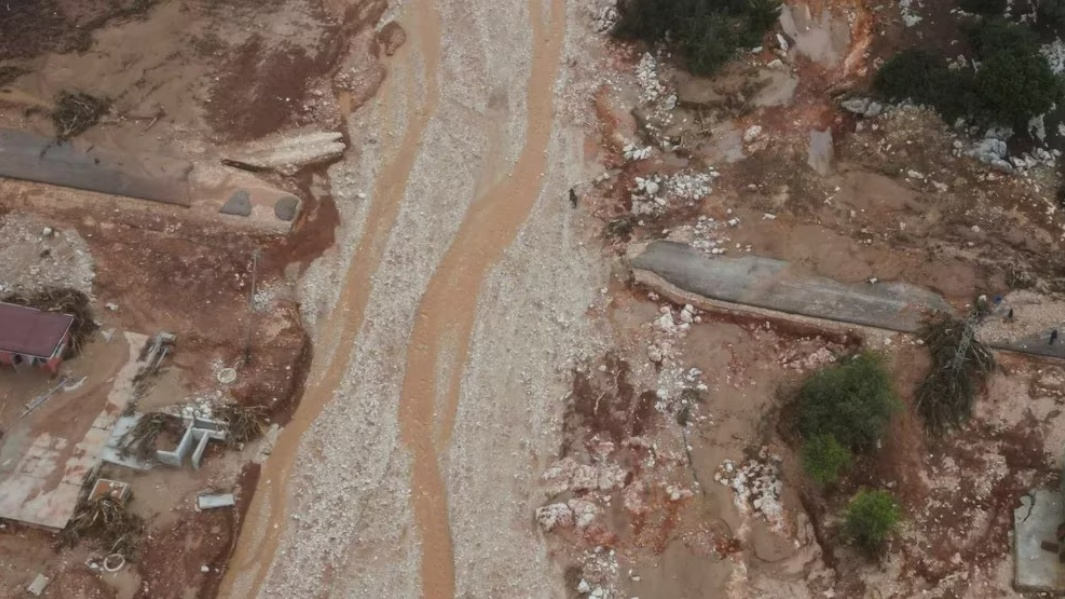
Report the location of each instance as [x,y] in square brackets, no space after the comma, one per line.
[554,515]
[864,107]
[113,307]
[752,133]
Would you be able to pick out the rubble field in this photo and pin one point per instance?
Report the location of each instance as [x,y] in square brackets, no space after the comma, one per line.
[428,370]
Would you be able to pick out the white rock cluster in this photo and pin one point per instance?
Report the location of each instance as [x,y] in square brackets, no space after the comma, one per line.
[1054,52]
[691,187]
[575,512]
[569,475]
[632,152]
[756,487]
[865,107]
[651,87]
[645,198]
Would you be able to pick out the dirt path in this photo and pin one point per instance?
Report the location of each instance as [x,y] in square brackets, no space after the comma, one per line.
[368,490]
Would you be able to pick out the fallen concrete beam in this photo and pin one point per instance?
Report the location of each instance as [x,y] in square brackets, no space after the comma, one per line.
[773,285]
[289,153]
[74,164]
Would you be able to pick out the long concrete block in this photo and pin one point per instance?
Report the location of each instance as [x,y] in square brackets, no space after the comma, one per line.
[74,164]
[772,284]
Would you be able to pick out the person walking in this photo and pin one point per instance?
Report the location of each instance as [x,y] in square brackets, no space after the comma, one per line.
[1053,336]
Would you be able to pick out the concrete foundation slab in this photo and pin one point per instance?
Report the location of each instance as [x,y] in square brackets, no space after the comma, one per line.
[34,157]
[773,285]
[47,458]
[1035,521]
[114,452]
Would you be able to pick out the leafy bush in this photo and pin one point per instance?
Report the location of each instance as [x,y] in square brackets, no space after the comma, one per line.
[1013,84]
[988,38]
[851,401]
[824,459]
[984,7]
[1014,88]
[870,519]
[706,33]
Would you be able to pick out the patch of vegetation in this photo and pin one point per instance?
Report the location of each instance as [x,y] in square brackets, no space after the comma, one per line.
[870,519]
[1012,84]
[77,112]
[824,459]
[851,401]
[705,33]
[961,365]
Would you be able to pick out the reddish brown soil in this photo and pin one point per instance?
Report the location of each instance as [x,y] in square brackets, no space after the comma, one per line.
[260,91]
[30,28]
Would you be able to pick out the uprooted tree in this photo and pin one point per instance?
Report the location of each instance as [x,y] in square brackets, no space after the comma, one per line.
[961,365]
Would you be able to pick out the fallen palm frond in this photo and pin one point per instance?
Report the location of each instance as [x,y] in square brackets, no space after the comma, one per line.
[140,440]
[107,521]
[961,365]
[66,301]
[77,112]
[245,423]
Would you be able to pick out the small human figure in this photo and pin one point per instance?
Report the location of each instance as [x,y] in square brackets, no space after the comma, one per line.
[1053,336]
[1009,317]
[572,197]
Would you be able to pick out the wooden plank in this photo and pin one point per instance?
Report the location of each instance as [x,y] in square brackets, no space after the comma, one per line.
[74,164]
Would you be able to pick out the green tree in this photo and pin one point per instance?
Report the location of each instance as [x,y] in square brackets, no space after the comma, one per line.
[824,459]
[1013,88]
[870,519]
[852,401]
[704,33]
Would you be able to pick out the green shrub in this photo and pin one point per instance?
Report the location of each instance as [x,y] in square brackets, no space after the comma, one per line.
[852,401]
[988,38]
[705,33]
[824,459]
[1013,84]
[870,519]
[1014,88]
[988,8]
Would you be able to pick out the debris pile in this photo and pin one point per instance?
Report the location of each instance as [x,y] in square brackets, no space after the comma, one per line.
[668,328]
[691,187]
[797,358]
[756,487]
[110,523]
[77,112]
[34,256]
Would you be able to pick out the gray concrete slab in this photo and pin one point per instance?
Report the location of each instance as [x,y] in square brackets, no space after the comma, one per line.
[34,157]
[771,284]
[1035,521]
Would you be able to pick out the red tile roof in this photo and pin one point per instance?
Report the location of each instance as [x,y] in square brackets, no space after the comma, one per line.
[31,332]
